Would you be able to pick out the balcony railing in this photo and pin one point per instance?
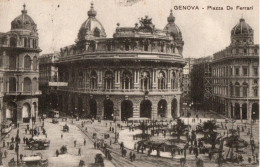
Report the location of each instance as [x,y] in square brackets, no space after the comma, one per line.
[116,90]
[16,93]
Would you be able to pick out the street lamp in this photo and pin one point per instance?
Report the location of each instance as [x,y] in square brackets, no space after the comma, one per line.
[114,116]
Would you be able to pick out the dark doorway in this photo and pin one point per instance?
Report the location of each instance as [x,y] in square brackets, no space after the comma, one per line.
[237,111]
[108,109]
[255,111]
[162,108]
[126,110]
[244,111]
[80,106]
[93,108]
[174,108]
[146,108]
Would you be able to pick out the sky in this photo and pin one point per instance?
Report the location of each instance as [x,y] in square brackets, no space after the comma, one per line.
[204,31]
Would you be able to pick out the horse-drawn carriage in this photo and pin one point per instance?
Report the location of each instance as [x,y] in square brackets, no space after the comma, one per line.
[65,128]
[30,161]
[38,143]
[99,160]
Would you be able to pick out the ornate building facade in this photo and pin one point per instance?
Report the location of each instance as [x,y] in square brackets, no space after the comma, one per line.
[19,73]
[137,73]
[48,75]
[235,75]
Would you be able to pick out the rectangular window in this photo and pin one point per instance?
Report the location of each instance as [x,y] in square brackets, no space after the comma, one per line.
[237,70]
[256,92]
[256,71]
[245,71]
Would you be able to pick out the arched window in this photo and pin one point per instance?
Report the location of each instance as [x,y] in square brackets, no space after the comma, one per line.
[127,45]
[27,62]
[126,80]
[245,87]
[162,47]
[173,81]
[97,32]
[27,85]
[161,80]
[108,80]
[145,82]
[35,63]
[12,62]
[12,84]
[231,89]
[93,80]
[237,89]
[146,44]
[13,42]
[80,79]
[34,85]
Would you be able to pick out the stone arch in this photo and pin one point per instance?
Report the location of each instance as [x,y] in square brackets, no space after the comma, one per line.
[93,108]
[11,112]
[26,112]
[27,84]
[237,111]
[126,110]
[27,62]
[146,109]
[174,108]
[12,84]
[162,108]
[255,111]
[108,109]
[244,111]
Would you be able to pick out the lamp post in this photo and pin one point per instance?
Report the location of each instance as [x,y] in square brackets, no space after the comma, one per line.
[114,116]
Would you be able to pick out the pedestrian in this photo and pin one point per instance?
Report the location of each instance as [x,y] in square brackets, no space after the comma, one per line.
[57,153]
[95,145]
[134,156]
[79,152]
[4,143]
[84,142]
[131,156]
[23,140]
[61,136]
[5,154]
[21,157]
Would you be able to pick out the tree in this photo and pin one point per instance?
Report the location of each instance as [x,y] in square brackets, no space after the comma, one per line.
[210,135]
[180,128]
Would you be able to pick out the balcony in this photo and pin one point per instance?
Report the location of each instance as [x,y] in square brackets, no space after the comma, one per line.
[121,91]
[22,93]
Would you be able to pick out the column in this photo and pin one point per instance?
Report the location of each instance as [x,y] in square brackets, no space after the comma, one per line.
[154,86]
[169,107]
[136,79]
[117,79]
[169,79]
[99,84]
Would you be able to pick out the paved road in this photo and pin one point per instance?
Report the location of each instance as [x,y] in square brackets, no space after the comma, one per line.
[71,159]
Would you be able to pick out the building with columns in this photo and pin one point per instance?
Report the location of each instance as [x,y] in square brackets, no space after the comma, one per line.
[235,76]
[137,73]
[19,73]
